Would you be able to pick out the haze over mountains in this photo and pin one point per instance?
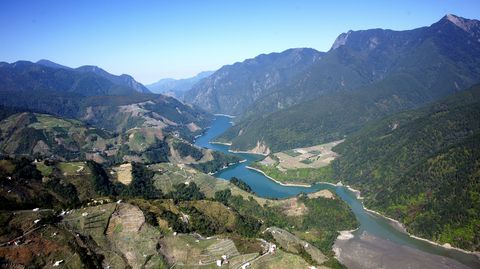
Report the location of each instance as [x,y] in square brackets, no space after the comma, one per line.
[177,87]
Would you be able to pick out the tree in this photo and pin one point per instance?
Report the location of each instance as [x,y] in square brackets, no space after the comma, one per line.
[223,196]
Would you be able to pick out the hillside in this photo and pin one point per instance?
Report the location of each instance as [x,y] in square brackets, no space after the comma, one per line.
[421,167]
[234,88]
[323,119]
[123,113]
[110,129]
[365,76]
[122,80]
[46,136]
[32,134]
[163,219]
[115,113]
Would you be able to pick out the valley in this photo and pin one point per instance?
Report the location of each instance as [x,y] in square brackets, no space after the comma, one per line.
[376,233]
[295,152]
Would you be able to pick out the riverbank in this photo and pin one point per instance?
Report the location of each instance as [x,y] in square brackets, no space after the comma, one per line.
[225,115]
[369,222]
[402,228]
[294,184]
[399,226]
[346,235]
[369,251]
[247,152]
[396,224]
[393,222]
[226,166]
[278,182]
[220,143]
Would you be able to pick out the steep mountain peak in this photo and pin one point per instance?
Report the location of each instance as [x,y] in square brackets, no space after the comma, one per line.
[341,40]
[458,21]
[469,26]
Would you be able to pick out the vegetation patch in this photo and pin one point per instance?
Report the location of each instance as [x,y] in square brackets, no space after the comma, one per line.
[298,176]
[420,167]
[220,161]
[241,184]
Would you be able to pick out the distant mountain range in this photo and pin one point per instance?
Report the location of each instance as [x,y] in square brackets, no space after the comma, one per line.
[49,76]
[365,75]
[177,87]
[123,80]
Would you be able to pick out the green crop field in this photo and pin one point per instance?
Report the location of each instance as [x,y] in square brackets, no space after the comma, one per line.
[300,175]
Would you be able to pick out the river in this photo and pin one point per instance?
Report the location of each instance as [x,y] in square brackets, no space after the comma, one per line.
[372,225]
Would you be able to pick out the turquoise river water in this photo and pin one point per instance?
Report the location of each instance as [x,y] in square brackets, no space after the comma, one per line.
[372,224]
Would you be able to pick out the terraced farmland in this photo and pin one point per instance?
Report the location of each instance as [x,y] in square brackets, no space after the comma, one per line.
[188,251]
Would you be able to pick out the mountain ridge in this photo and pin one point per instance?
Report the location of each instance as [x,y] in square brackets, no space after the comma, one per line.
[51,64]
[373,74]
[356,59]
[222,93]
[122,80]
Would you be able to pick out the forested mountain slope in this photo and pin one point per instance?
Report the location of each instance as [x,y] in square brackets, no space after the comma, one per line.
[234,88]
[422,167]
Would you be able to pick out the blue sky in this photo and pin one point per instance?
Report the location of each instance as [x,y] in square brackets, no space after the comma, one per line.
[156,39]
